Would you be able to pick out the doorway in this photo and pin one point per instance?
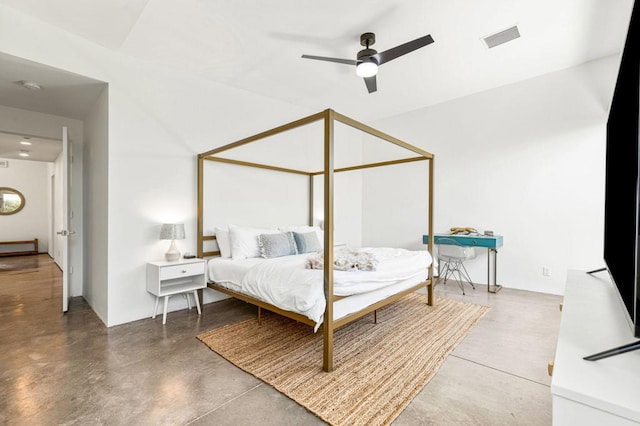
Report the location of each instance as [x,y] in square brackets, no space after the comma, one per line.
[68,99]
[36,174]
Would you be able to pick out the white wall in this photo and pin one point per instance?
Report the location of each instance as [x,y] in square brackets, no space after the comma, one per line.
[347,206]
[395,205]
[524,160]
[95,202]
[158,123]
[31,178]
[246,196]
[252,197]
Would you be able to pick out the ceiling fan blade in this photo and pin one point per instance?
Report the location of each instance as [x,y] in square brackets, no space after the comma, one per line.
[372,86]
[338,60]
[403,49]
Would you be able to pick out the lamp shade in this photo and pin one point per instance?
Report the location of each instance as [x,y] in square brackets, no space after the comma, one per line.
[172,231]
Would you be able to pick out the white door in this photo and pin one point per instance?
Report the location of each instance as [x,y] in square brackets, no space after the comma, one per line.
[65,231]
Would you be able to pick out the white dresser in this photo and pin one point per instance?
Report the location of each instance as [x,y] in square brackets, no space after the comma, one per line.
[603,392]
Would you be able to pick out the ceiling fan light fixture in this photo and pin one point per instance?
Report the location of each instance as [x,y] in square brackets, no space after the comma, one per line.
[367,69]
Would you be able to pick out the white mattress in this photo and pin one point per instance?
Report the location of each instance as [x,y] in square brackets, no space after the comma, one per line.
[285,282]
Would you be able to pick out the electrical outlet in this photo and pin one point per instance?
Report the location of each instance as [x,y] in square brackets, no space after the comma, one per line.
[545,271]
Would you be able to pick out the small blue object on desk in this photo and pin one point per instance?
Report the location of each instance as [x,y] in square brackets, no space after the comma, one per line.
[490,242]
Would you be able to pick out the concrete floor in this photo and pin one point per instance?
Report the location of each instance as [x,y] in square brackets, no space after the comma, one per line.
[70,369]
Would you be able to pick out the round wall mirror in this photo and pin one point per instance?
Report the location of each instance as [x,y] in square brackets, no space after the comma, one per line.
[11,201]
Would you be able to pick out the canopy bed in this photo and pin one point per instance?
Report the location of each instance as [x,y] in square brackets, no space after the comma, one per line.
[340,300]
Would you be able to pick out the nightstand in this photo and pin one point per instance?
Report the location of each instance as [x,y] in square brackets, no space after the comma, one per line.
[184,276]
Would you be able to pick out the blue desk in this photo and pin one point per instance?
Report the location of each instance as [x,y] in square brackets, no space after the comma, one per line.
[491,243]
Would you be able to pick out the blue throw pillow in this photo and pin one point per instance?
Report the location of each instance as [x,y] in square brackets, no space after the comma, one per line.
[308,242]
[277,245]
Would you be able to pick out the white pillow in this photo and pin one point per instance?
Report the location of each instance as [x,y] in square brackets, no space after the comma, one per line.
[303,229]
[224,244]
[244,241]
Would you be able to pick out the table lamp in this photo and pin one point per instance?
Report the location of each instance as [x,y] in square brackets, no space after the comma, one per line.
[173,232]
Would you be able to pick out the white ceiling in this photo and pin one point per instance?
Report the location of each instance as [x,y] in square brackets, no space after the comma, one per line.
[256,45]
[62,93]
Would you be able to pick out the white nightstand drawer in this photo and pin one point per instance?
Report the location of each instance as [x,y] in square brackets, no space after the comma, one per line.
[184,270]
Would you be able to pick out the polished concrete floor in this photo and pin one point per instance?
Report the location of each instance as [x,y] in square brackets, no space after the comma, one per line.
[70,369]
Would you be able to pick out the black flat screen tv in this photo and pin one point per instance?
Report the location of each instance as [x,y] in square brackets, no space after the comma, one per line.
[622,186]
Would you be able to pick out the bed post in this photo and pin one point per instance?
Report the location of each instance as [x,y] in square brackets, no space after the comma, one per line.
[311,199]
[430,232]
[200,207]
[327,322]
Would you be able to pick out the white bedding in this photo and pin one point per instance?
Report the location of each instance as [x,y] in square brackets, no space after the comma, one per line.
[285,282]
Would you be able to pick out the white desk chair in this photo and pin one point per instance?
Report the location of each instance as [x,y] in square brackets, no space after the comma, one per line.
[451,257]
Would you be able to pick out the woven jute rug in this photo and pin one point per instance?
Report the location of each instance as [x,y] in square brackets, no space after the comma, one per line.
[378,368]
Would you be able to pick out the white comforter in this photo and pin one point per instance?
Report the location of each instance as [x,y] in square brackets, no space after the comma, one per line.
[286,282]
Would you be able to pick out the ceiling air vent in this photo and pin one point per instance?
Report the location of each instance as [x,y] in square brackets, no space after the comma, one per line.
[4,163]
[502,37]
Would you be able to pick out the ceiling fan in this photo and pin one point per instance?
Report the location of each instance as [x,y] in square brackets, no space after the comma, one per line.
[368,60]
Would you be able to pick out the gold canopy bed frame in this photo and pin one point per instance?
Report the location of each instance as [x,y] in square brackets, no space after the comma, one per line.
[329,117]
